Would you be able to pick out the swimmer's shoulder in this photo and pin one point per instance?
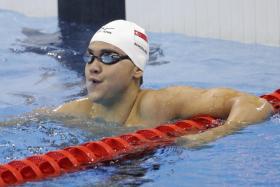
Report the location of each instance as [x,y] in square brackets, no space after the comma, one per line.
[79,107]
[167,94]
[163,103]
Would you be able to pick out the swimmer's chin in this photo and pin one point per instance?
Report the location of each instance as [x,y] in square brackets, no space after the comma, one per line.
[95,98]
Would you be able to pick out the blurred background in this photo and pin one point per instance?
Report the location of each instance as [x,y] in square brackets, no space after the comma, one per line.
[249,21]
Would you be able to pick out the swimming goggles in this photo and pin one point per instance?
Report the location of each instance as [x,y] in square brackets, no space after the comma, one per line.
[105,58]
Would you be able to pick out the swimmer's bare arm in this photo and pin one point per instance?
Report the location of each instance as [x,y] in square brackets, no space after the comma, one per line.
[79,108]
[238,109]
[245,110]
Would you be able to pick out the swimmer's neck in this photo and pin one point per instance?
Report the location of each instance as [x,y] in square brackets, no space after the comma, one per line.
[118,109]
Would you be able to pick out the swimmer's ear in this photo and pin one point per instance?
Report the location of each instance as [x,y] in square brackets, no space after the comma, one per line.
[137,72]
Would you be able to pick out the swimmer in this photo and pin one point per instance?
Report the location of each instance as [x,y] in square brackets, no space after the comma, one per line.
[115,61]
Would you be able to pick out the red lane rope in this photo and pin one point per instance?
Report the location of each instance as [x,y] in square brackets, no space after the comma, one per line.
[73,158]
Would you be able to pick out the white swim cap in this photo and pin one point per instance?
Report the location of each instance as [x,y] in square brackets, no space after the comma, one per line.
[127,36]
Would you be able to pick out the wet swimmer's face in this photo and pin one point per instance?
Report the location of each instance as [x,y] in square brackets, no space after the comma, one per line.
[106,82]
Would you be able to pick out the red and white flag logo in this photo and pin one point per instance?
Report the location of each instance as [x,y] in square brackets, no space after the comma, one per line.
[141,35]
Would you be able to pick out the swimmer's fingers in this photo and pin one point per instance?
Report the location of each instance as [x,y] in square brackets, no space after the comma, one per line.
[190,143]
[200,139]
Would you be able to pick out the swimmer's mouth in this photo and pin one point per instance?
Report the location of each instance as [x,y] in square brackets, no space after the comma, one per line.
[95,81]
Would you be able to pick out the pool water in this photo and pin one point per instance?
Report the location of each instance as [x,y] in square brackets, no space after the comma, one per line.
[40,66]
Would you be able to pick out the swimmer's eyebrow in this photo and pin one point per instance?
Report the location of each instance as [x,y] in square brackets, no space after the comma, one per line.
[90,50]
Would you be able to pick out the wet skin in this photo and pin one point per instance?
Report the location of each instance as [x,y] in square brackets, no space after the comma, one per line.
[114,95]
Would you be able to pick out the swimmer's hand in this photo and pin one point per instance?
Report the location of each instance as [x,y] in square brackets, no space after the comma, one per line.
[245,110]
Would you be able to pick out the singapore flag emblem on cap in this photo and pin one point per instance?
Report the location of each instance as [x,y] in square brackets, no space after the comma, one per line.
[141,35]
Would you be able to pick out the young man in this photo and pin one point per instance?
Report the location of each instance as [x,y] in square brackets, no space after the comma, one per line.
[116,57]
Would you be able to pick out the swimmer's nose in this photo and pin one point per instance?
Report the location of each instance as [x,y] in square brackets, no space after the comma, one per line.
[95,67]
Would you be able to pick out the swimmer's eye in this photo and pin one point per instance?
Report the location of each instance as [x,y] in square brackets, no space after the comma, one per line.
[105,58]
